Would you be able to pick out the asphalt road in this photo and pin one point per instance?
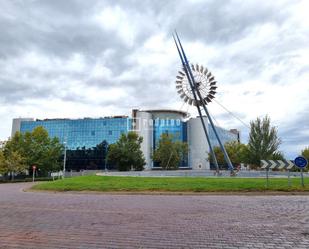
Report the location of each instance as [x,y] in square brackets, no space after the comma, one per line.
[48,220]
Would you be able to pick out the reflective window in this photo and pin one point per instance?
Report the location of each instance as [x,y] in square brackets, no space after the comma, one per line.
[81,132]
[224,135]
[177,129]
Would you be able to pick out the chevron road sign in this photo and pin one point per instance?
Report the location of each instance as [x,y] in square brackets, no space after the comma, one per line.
[277,164]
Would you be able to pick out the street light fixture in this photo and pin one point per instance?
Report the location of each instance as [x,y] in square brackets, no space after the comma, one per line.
[105,161]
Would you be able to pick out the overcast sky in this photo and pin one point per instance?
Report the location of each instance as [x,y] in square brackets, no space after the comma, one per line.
[97,58]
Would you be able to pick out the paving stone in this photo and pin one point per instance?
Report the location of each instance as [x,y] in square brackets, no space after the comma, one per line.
[64,220]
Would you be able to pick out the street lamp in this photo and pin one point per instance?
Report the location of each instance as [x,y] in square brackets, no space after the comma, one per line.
[105,158]
[64,158]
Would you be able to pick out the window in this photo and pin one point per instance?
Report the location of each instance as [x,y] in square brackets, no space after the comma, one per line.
[110,132]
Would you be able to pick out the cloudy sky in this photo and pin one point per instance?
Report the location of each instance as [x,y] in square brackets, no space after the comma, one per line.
[97,58]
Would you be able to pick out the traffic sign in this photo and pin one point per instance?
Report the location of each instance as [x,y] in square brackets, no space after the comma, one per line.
[301,162]
[276,164]
[280,164]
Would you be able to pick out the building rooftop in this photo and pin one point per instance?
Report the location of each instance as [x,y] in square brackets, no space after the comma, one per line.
[55,119]
[183,113]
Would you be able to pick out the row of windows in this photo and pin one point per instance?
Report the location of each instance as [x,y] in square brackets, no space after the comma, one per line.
[80,133]
[89,133]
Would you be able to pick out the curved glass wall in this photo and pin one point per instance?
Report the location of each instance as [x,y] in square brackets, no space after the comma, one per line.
[174,127]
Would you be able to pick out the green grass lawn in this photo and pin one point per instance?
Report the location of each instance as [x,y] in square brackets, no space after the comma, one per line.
[174,184]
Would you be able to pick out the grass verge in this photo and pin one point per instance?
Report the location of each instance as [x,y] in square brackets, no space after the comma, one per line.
[170,184]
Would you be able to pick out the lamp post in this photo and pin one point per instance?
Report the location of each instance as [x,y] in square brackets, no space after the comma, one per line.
[33,172]
[105,158]
[64,158]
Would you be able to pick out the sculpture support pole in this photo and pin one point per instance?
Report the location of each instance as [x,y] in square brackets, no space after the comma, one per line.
[226,157]
[198,108]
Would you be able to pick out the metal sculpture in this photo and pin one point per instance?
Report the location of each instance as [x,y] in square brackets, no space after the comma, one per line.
[197,86]
[205,82]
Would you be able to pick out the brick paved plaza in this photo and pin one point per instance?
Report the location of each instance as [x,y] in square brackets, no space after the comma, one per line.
[47,220]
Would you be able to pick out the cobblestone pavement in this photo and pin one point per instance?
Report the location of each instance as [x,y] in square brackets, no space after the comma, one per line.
[48,220]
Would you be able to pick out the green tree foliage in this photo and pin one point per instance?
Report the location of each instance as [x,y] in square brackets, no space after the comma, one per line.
[277,156]
[305,153]
[35,148]
[238,153]
[126,152]
[169,154]
[15,163]
[263,141]
[2,163]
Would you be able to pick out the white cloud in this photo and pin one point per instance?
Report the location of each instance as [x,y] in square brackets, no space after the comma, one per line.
[104,59]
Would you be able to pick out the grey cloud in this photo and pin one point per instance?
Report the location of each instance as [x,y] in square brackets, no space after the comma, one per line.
[58,29]
[294,133]
[222,21]
[15,92]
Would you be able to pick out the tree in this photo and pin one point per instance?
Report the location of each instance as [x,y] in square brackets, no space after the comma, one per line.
[237,153]
[15,163]
[35,148]
[169,154]
[11,162]
[2,163]
[263,141]
[126,152]
[277,156]
[305,153]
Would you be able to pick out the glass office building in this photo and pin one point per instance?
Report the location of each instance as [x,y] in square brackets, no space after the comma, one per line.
[78,133]
[149,124]
[225,135]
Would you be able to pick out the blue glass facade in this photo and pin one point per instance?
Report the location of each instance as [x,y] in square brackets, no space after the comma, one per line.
[174,127]
[82,132]
[89,132]
[225,136]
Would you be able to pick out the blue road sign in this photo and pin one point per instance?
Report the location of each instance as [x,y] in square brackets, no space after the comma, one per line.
[301,162]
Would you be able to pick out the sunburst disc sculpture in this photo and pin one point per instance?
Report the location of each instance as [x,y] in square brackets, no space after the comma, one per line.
[204,80]
[197,86]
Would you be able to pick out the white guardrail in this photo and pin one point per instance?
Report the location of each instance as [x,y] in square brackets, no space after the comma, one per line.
[56,174]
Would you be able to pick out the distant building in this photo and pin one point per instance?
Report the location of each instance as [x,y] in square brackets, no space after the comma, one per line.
[225,135]
[237,133]
[150,124]
[2,144]
[17,123]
